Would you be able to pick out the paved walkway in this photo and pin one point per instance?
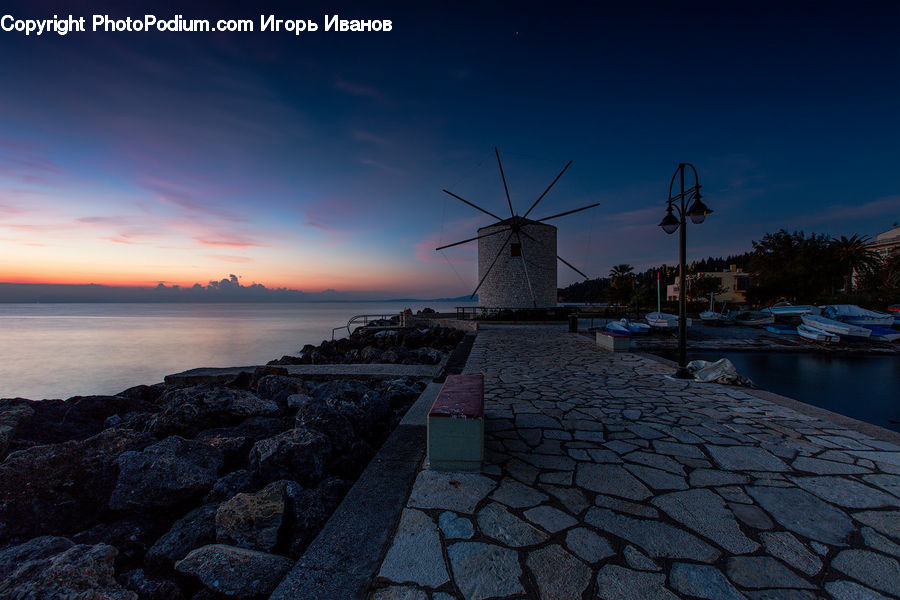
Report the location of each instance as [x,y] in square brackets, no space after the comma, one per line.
[604,479]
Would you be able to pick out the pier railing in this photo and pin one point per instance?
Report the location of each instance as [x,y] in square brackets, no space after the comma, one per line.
[382,321]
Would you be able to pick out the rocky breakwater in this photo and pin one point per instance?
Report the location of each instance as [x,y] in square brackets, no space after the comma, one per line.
[170,493]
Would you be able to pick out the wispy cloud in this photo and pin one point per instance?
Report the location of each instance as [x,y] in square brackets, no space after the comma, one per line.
[889,205]
[230,241]
[231,258]
[377,164]
[372,138]
[357,89]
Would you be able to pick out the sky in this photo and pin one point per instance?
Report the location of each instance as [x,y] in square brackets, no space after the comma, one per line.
[316,161]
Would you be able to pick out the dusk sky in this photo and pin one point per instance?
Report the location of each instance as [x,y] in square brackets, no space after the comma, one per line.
[317,161]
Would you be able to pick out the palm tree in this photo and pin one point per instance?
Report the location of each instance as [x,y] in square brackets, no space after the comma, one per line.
[622,270]
[854,254]
[622,283]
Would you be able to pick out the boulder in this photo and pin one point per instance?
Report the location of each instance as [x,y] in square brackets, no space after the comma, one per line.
[310,509]
[61,488]
[149,589]
[235,572]
[37,548]
[299,454]
[318,416]
[165,474]
[131,535]
[14,413]
[254,521]
[195,529]
[235,482]
[277,388]
[77,418]
[190,410]
[370,354]
[145,393]
[80,572]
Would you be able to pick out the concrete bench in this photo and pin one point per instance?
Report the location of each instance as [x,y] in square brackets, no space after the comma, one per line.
[456,425]
[613,341]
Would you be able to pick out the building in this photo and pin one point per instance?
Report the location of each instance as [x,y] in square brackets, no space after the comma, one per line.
[519,271]
[734,280]
[887,241]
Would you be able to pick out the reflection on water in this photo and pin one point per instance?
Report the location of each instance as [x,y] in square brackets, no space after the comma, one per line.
[863,387]
[62,350]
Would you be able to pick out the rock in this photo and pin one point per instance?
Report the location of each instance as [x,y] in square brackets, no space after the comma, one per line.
[704,512]
[454,526]
[875,570]
[559,575]
[786,547]
[278,388]
[149,589]
[761,572]
[299,454]
[132,537]
[746,458]
[638,560]
[588,545]
[192,409]
[551,519]
[79,572]
[618,583]
[234,483]
[484,570]
[253,521]
[165,474]
[77,418]
[702,581]
[44,546]
[846,492]
[847,590]
[415,554]
[309,510]
[235,572]
[145,393]
[610,479]
[498,523]
[801,512]
[517,495]
[316,415]
[195,529]
[61,488]
[13,414]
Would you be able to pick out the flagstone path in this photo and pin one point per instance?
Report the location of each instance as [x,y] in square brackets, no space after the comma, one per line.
[606,479]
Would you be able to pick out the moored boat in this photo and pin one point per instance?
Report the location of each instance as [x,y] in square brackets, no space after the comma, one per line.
[617,327]
[814,334]
[837,327]
[661,320]
[883,334]
[851,313]
[786,309]
[634,326]
[781,329]
[753,318]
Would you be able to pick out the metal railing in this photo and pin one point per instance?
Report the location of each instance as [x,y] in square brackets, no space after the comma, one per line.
[392,322]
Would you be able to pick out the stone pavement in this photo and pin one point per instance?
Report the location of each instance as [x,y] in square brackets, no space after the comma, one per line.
[606,479]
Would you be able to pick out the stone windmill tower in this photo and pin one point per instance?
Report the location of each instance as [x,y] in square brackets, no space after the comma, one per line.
[517,255]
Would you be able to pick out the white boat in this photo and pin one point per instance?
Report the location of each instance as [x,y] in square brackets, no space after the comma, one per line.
[786,309]
[617,327]
[753,318]
[635,327]
[661,320]
[851,313]
[883,334]
[711,317]
[832,326]
[817,335]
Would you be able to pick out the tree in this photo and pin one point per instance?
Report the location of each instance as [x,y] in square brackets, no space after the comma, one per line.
[792,266]
[701,286]
[621,283]
[854,254]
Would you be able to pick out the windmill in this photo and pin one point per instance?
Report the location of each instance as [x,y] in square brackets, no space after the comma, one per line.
[524,276]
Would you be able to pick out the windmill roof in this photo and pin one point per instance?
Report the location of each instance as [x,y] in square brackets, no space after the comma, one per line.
[509,221]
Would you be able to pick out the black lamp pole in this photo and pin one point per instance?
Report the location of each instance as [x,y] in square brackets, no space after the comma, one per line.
[697,212]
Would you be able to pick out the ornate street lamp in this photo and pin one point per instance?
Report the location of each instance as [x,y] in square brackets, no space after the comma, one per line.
[697,212]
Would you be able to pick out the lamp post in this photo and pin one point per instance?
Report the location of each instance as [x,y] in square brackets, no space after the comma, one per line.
[697,212]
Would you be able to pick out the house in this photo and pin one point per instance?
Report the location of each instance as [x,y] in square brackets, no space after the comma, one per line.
[734,280]
[887,241]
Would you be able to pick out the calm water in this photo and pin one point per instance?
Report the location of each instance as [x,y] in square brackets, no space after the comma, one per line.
[63,350]
[863,387]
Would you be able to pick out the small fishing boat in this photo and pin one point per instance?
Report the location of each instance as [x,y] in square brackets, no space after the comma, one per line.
[634,326]
[711,317]
[851,313]
[661,320]
[883,334]
[781,329]
[753,318]
[814,334]
[837,327]
[786,309]
[617,327]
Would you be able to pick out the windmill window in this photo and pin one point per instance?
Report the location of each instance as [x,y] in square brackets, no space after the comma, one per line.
[515,249]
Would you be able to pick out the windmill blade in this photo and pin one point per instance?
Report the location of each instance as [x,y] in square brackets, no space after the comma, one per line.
[525,267]
[561,259]
[568,212]
[475,206]
[493,262]
[502,176]
[541,197]
[477,237]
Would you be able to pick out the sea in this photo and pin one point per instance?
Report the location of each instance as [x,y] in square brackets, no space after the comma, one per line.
[65,350]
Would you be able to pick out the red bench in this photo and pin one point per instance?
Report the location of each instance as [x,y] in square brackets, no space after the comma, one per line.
[456,425]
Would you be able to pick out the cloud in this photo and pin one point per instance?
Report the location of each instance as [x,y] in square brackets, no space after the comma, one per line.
[369,162]
[117,240]
[889,205]
[182,196]
[367,136]
[356,89]
[230,258]
[454,231]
